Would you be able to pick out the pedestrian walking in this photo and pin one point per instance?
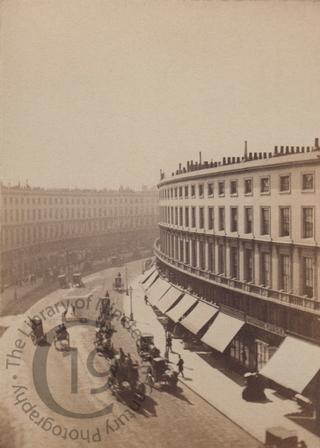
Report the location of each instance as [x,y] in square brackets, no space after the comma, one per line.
[180,366]
[123,320]
[122,355]
[169,343]
[146,300]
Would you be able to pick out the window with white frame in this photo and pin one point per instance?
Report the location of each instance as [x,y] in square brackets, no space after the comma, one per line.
[307,222]
[284,221]
[307,276]
[265,185]
[308,182]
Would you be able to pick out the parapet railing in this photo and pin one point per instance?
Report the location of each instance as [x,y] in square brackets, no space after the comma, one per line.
[283,297]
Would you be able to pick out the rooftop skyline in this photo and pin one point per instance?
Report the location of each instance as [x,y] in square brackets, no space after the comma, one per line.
[103,94]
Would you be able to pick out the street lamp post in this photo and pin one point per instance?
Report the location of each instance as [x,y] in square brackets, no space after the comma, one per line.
[131,312]
[126,275]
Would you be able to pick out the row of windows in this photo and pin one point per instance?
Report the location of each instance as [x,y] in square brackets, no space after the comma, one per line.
[20,215]
[39,233]
[284,186]
[43,200]
[187,252]
[181,216]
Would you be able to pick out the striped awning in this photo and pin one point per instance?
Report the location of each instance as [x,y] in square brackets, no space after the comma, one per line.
[223,329]
[199,316]
[181,308]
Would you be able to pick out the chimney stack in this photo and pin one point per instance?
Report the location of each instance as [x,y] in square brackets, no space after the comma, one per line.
[316,143]
[245,150]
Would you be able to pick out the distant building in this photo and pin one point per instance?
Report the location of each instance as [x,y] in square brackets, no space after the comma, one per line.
[40,226]
[244,234]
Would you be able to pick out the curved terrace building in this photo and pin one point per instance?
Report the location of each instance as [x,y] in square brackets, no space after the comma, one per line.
[243,235]
[38,226]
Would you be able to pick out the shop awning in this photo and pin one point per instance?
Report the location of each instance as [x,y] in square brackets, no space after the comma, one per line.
[148,274]
[294,364]
[157,290]
[150,280]
[223,329]
[181,308]
[168,299]
[199,316]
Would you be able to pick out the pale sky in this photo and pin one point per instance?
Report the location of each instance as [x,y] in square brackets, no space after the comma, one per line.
[103,93]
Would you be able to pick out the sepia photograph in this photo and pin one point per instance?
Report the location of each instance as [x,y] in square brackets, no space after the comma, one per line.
[159,223]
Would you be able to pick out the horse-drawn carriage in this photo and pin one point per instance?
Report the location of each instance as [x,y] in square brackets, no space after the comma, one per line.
[124,377]
[159,372]
[77,280]
[63,282]
[118,283]
[61,339]
[103,342]
[37,334]
[146,348]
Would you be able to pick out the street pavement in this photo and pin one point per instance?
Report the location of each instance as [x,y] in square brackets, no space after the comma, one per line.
[44,390]
[221,387]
